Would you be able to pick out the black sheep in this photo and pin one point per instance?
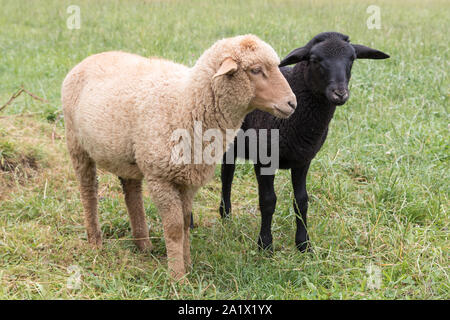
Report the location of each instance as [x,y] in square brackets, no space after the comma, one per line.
[320,82]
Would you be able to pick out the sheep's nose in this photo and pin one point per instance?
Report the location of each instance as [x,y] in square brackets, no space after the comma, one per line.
[340,93]
[292,104]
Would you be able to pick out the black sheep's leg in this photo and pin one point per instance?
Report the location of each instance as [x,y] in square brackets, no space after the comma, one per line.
[192,221]
[300,206]
[227,175]
[267,203]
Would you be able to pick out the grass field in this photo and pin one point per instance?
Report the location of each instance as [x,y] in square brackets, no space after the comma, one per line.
[379,189]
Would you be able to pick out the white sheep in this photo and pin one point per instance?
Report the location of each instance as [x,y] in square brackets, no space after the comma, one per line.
[121,110]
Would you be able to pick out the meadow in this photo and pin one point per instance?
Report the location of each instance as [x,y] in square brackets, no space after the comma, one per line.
[379,188]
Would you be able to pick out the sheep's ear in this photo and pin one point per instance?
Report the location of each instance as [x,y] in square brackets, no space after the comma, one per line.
[228,66]
[297,55]
[363,52]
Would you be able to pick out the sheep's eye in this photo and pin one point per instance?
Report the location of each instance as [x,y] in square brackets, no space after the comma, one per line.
[256,70]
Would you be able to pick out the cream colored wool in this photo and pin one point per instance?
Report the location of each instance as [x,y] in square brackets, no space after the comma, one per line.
[120,111]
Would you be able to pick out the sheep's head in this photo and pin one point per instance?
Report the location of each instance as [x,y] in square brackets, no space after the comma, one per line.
[329,57]
[250,63]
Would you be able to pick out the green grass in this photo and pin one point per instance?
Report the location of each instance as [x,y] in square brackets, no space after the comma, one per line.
[379,188]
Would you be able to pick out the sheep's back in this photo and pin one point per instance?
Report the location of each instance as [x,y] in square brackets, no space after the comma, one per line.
[108,95]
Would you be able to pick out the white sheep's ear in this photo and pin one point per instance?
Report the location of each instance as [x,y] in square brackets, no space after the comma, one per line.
[228,66]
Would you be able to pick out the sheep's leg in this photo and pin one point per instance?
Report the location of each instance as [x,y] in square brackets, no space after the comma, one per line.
[187,197]
[191,223]
[167,199]
[86,173]
[298,176]
[267,203]
[132,190]
[227,175]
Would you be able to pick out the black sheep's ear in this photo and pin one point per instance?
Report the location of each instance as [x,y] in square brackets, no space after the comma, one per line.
[363,52]
[297,55]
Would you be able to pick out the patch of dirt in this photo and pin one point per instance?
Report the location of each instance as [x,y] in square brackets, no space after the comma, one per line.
[20,166]
[32,151]
[17,170]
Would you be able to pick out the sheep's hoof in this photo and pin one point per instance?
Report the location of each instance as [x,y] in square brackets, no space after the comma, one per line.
[144,245]
[265,245]
[96,241]
[224,212]
[304,246]
[178,275]
[180,280]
